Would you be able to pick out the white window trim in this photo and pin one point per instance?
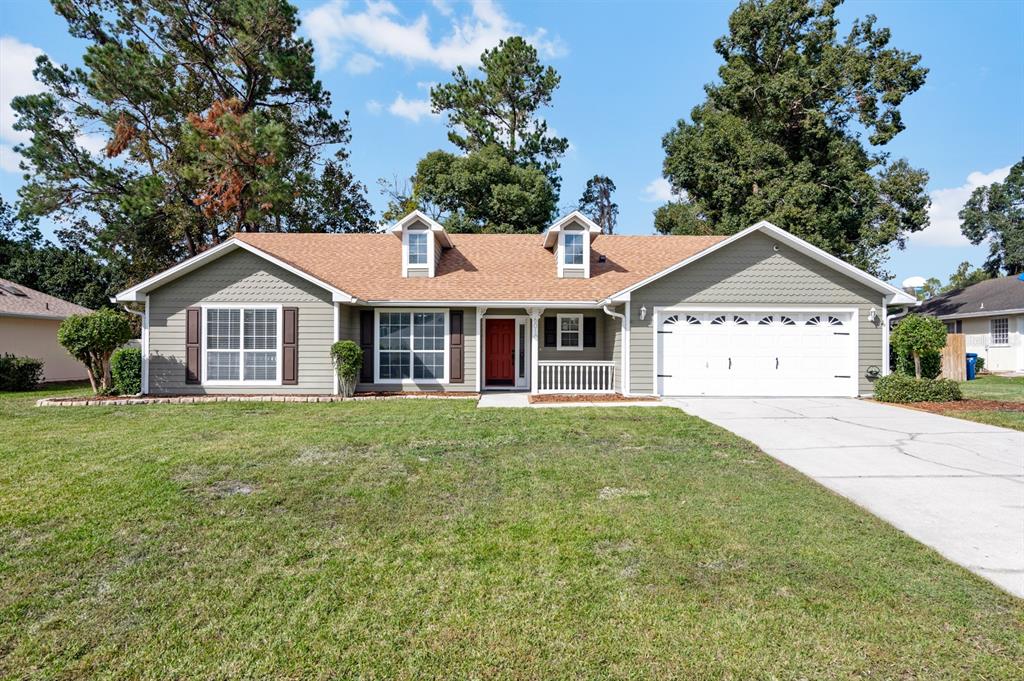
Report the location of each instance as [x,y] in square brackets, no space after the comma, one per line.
[429,265]
[410,382]
[241,350]
[992,336]
[579,332]
[560,254]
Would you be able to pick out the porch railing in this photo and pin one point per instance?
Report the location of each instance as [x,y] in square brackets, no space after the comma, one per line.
[576,377]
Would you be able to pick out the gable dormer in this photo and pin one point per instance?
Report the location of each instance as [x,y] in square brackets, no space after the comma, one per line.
[422,241]
[570,239]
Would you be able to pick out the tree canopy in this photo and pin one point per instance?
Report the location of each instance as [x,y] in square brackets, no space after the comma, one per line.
[501,109]
[212,121]
[779,138]
[596,203]
[996,213]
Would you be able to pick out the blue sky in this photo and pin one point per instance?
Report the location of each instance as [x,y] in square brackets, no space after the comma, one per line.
[629,71]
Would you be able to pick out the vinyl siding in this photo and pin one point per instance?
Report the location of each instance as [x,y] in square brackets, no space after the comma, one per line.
[239,277]
[351,330]
[750,272]
[613,341]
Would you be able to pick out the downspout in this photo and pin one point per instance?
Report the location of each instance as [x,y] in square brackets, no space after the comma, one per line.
[887,321]
[143,316]
[624,347]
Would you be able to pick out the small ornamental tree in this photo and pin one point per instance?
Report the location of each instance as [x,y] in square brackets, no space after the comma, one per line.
[92,338]
[918,335]
[348,360]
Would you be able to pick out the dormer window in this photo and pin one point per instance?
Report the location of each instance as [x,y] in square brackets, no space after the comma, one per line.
[418,248]
[423,241]
[573,248]
[570,239]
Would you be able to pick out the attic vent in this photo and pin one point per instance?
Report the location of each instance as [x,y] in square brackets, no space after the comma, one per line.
[602,258]
[12,291]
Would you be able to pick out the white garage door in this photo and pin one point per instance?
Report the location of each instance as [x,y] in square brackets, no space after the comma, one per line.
[757,353]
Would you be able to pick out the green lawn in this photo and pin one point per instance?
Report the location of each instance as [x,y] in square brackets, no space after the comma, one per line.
[427,539]
[995,388]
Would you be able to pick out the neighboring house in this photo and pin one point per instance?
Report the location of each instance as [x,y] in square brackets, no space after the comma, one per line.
[991,315]
[28,328]
[570,310]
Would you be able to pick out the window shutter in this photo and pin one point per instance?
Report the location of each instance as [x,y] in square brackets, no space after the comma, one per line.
[457,353]
[290,346]
[193,338]
[550,332]
[366,333]
[590,332]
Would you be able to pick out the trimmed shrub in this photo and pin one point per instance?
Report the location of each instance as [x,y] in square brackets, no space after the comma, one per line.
[979,364]
[92,338]
[126,370]
[903,388]
[931,364]
[20,373]
[348,360]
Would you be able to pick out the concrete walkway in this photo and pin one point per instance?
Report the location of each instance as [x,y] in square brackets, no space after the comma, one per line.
[954,485]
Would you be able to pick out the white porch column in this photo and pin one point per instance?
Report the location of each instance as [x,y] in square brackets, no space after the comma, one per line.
[336,383]
[535,313]
[480,347]
[626,326]
[145,349]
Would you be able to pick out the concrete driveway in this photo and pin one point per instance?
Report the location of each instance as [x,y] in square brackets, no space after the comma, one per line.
[954,485]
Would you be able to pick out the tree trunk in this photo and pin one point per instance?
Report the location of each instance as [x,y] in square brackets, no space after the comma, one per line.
[92,378]
[917,365]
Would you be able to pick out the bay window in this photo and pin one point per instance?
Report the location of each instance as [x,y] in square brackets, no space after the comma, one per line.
[411,345]
[242,345]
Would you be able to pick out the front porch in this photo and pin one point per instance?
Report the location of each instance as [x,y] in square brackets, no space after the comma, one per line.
[547,351]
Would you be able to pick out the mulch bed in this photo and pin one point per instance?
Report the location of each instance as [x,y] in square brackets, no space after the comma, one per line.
[121,400]
[966,405]
[600,397]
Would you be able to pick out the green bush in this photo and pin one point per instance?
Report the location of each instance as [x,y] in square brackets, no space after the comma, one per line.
[348,360]
[979,364]
[126,370]
[931,364]
[20,373]
[917,336]
[92,338]
[902,388]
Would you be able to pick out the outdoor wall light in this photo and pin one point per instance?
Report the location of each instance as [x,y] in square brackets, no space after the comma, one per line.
[643,312]
[873,315]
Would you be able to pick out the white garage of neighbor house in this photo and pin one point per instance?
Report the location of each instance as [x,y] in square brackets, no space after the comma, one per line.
[760,313]
[28,328]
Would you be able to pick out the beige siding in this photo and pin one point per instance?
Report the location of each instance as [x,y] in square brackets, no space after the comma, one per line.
[352,329]
[240,277]
[1008,357]
[601,352]
[37,338]
[751,272]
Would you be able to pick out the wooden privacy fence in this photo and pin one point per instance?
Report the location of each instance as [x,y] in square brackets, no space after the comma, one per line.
[954,357]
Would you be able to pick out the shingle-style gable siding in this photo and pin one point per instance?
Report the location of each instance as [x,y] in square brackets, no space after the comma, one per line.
[239,277]
[751,272]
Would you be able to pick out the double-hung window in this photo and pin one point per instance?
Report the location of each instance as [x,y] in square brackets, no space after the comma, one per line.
[411,346]
[570,332]
[417,248]
[572,244]
[242,345]
[999,331]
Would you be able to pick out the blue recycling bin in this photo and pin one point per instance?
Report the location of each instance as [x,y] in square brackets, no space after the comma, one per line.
[972,363]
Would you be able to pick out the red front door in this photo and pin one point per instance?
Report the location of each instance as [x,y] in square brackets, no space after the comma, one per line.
[501,351]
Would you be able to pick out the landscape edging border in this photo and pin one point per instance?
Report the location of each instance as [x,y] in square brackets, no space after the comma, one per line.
[204,399]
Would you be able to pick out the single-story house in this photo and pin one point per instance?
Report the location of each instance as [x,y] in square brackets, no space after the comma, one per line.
[28,328]
[571,310]
[990,314]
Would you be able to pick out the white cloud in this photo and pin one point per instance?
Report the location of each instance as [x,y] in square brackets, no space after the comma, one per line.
[94,144]
[412,109]
[660,191]
[380,29]
[443,6]
[944,229]
[9,159]
[17,59]
[374,107]
[360,64]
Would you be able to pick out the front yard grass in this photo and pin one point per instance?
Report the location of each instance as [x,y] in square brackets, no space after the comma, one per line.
[993,389]
[428,539]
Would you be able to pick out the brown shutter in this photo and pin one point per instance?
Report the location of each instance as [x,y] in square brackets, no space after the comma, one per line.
[193,336]
[457,352]
[550,332]
[290,346]
[366,343]
[590,332]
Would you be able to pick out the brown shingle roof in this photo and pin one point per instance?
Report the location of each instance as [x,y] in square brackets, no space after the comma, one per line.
[34,303]
[479,267]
